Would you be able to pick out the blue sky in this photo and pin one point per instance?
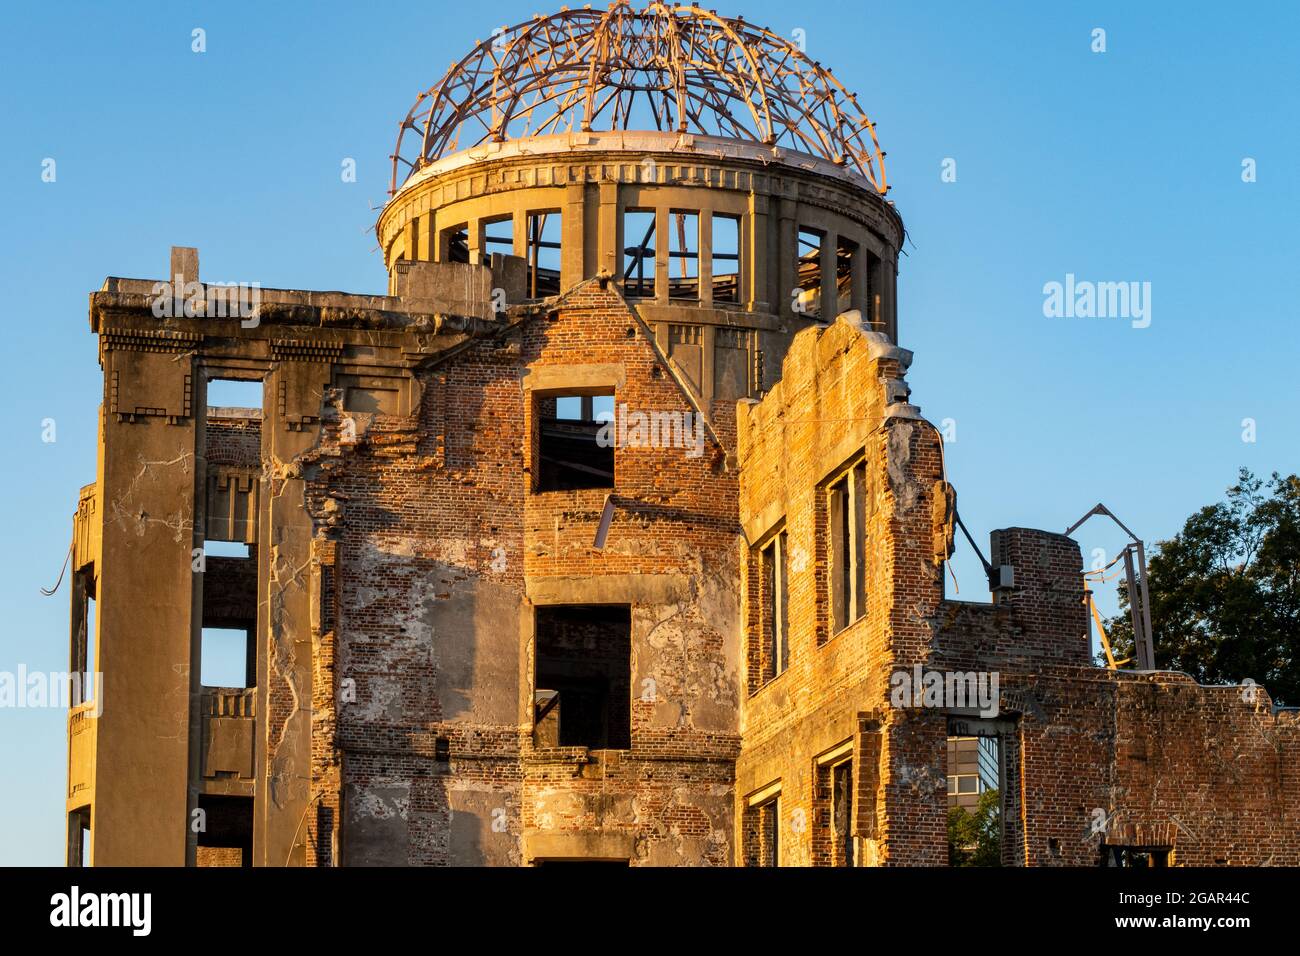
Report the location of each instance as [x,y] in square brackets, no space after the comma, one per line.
[1116,166]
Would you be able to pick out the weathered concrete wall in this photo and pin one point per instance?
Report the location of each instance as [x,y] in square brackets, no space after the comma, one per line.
[147,485]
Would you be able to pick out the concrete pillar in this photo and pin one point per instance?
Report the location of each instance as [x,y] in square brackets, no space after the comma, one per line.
[611,259]
[574,267]
[787,256]
[755,264]
[413,239]
[147,646]
[519,230]
[704,267]
[708,362]
[662,226]
[284,622]
[427,236]
[474,241]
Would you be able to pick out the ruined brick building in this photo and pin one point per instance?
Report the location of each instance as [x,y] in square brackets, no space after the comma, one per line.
[604,534]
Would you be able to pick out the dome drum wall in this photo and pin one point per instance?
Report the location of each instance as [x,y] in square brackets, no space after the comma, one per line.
[698,236]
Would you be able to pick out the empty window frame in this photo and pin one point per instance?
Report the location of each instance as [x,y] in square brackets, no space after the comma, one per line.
[846,253]
[79,837]
[227,649]
[846,513]
[227,657]
[773,619]
[573,449]
[835,783]
[843,850]
[808,273]
[762,831]
[683,254]
[454,243]
[975,832]
[498,236]
[226,836]
[235,393]
[82,690]
[725,257]
[639,253]
[224,549]
[874,278]
[583,677]
[542,251]
[832,836]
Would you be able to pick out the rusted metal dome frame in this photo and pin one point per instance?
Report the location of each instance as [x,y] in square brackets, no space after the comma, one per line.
[584,70]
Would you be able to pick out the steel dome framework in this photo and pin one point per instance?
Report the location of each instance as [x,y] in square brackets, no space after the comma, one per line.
[668,68]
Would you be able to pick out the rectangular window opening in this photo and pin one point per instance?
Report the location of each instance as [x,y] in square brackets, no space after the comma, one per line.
[809,273]
[543,254]
[845,252]
[583,677]
[79,837]
[224,549]
[227,656]
[639,253]
[84,635]
[833,842]
[725,256]
[573,451]
[974,801]
[498,236]
[226,838]
[683,255]
[871,295]
[455,243]
[234,394]
[842,847]
[761,833]
[846,520]
[227,648]
[774,623]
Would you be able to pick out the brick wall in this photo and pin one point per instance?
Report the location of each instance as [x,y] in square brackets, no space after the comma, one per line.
[234,441]
[441,541]
[1090,757]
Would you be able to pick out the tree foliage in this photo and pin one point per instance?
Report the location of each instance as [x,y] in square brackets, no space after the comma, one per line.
[974,839]
[1225,591]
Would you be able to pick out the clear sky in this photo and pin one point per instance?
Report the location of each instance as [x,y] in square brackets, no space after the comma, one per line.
[1117,166]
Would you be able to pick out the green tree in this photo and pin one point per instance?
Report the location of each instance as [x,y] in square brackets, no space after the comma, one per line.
[1225,591]
[974,839]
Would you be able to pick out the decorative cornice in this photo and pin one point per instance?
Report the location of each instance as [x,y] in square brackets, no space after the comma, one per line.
[147,340]
[305,350]
[647,168]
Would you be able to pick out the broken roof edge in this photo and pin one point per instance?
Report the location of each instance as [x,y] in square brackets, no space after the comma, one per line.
[673,144]
[281,307]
